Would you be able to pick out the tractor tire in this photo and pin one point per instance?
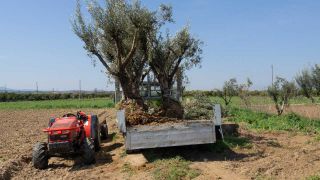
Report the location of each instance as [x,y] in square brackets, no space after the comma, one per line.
[95,131]
[104,131]
[40,155]
[88,154]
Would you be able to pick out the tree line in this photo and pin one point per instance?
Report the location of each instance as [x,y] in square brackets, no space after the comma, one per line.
[11,97]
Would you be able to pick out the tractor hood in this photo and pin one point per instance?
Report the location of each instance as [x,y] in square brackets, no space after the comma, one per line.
[64,123]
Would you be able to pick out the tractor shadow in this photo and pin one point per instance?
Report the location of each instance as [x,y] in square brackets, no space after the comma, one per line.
[74,162]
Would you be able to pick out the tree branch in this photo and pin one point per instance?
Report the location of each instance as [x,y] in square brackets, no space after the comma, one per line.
[175,69]
[96,53]
[132,50]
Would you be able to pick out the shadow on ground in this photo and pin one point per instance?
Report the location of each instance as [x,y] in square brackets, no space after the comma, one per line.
[220,151]
[102,157]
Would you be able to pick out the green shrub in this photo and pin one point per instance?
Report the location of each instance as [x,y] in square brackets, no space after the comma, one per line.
[199,107]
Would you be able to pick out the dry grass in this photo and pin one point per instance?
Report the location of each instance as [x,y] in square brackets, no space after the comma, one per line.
[308,111]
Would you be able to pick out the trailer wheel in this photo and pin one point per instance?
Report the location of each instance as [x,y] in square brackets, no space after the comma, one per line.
[88,154]
[40,155]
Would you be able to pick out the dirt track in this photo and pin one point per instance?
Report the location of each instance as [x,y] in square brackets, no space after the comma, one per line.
[272,155]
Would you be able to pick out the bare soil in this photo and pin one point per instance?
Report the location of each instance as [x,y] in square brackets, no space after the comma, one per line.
[272,155]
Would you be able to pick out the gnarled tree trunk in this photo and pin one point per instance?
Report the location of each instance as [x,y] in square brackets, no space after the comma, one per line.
[170,106]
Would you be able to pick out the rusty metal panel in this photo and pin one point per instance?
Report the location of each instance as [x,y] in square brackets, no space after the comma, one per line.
[166,135]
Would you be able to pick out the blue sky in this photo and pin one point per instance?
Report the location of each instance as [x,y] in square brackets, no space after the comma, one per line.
[241,39]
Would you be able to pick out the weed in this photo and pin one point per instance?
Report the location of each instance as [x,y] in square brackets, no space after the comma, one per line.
[314,177]
[127,168]
[174,169]
[123,154]
[113,136]
[230,142]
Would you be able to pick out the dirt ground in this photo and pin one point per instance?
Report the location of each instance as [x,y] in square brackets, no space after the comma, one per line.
[272,155]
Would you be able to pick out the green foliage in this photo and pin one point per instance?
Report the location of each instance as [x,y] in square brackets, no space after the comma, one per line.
[230,142]
[314,177]
[199,107]
[127,168]
[229,90]
[243,92]
[264,121]
[316,78]
[174,169]
[57,104]
[304,81]
[281,92]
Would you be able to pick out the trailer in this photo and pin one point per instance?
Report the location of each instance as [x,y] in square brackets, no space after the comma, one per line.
[189,132]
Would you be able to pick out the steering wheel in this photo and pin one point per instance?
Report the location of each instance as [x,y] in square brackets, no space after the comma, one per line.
[69,115]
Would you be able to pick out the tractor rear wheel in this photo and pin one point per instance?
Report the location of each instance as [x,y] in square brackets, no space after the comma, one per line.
[40,155]
[88,154]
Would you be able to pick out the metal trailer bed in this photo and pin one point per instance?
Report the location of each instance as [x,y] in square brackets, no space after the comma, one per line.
[189,132]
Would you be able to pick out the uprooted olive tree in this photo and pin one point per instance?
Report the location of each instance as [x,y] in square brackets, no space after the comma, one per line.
[126,39]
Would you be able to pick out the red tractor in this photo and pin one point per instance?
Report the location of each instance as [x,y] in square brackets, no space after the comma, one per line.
[72,134]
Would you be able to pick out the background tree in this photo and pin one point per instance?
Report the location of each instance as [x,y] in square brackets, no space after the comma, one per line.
[229,90]
[316,78]
[304,81]
[116,36]
[168,55]
[244,92]
[281,92]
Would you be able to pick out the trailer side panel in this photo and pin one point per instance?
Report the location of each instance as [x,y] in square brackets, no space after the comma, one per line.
[166,135]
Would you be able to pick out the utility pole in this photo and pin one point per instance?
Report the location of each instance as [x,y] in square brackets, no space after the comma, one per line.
[5,88]
[272,71]
[37,87]
[79,89]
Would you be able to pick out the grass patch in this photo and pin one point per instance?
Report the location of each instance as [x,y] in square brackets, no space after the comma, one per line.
[230,142]
[314,177]
[174,169]
[113,136]
[263,121]
[59,104]
[127,168]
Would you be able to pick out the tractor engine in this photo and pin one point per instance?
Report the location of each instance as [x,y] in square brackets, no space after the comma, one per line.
[64,134]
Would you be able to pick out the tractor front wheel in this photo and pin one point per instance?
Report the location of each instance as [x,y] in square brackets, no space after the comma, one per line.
[88,154]
[104,131]
[40,155]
